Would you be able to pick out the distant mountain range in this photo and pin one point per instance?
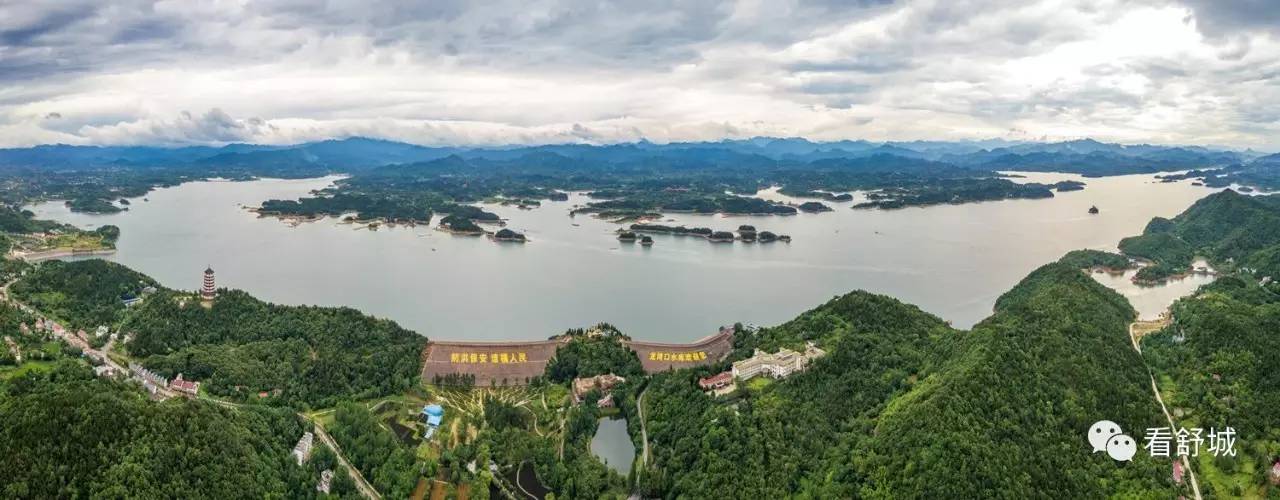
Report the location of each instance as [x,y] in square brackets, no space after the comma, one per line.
[1085,156]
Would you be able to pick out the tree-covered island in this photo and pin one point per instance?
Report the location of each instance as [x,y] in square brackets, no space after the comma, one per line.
[746,233]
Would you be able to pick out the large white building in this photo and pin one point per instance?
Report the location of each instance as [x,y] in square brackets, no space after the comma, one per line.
[302,450]
[776,365]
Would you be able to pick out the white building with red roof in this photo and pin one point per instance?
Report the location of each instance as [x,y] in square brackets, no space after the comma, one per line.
[185,386]
[717,381]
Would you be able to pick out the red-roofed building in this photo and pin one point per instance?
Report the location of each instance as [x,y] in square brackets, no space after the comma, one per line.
[1177,472]
[185,386]
[1275,473]
[717,381]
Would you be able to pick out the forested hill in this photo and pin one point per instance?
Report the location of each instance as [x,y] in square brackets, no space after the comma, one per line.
[797,437]
[1006,413]
[241,345]
[903,406]
[85,294]
[1225,226]
[67,434]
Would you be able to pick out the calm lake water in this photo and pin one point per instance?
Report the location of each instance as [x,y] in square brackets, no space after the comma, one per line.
[952,260]
[613,446]
[1151,301]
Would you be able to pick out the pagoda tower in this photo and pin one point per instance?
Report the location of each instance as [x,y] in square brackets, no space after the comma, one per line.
[208,291]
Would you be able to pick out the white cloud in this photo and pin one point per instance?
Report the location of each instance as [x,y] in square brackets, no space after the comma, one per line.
[456,72]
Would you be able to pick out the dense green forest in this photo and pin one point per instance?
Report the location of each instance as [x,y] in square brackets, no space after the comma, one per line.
[905,407]
[1015,394]
[317,356]
[65,434]
[84,293]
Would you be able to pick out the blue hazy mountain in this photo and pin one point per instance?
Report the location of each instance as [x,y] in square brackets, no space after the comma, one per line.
[1086,156]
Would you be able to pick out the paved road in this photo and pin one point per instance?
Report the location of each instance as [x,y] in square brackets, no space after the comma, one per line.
[644,431]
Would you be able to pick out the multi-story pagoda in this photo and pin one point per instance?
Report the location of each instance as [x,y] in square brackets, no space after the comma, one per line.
[208,291]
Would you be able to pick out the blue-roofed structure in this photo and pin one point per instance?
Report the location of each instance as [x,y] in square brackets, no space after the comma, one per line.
[434,414]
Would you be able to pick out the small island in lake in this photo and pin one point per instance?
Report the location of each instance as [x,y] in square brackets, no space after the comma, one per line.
[1065,186]
[721,237]
[505,234]
[455,224]
[814,207]
[646,240]
[746,233]
[829,196]
[1093,210]
[627,236]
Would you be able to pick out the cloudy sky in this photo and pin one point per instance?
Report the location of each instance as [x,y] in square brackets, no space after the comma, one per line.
[552,71]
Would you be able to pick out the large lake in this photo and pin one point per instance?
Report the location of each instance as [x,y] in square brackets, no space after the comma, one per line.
[951,260]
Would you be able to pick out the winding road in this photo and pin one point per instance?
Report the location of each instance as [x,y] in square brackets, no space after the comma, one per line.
[1186,463]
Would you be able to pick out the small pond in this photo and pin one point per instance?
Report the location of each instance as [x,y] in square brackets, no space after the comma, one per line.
[613,446]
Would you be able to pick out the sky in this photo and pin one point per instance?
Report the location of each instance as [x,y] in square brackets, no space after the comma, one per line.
[456,72]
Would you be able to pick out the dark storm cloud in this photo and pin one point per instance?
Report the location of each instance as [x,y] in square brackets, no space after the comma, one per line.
[54,21]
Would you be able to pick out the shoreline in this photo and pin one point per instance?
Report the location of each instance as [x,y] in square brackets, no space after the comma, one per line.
[60,253]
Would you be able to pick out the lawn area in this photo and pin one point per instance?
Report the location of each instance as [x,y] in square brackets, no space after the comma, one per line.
[85,240]
[9,372]
[758,384]
[78,241]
